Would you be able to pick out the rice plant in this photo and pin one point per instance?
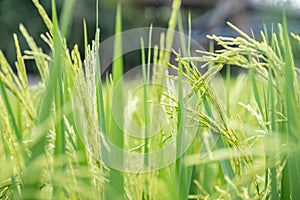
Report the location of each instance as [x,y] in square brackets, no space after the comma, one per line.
[271,165]
[55,136]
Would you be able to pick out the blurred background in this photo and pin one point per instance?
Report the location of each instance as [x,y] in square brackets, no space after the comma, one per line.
[208,17]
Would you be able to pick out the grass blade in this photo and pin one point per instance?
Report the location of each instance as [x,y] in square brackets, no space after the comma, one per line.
[51,85]
[10,112]
[273,173]
[225,164]
[293,162]
[66,17]
[145,101]
[182,171]
[116,132]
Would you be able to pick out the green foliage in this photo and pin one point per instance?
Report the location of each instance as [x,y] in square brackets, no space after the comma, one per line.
[245,148]
[273,104]
[116,190]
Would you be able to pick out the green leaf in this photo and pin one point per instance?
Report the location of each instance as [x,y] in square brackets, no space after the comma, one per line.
[116,132]
[66,17]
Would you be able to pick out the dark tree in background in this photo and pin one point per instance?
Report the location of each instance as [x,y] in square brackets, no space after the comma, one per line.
[208,17]
[14,12]
[135,14]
